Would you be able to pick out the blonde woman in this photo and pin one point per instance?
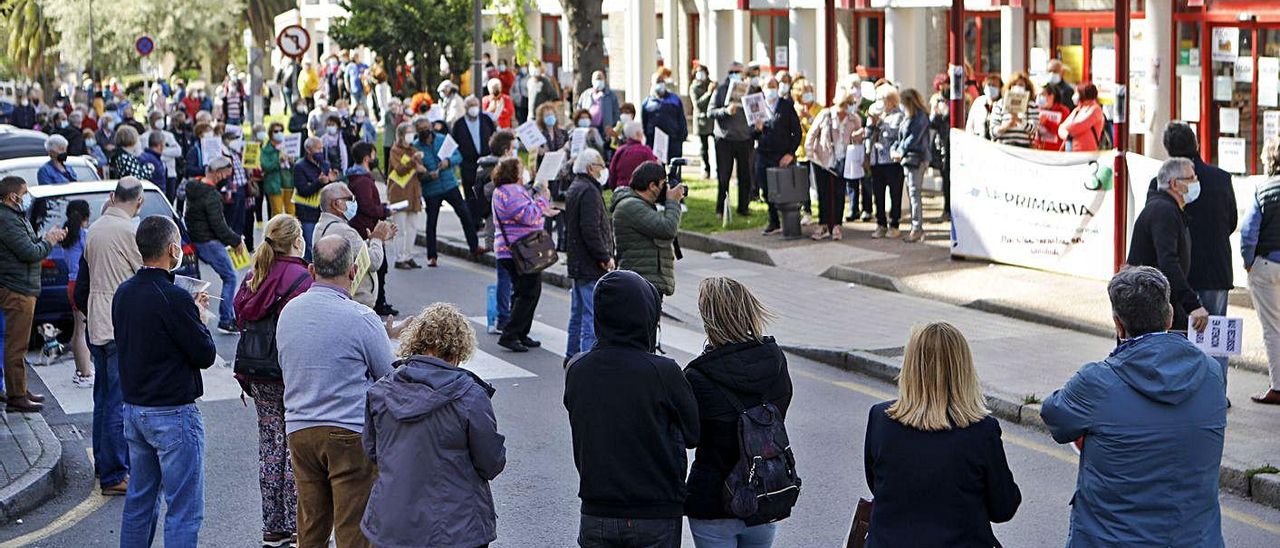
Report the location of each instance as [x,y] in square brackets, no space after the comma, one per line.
[833,131]
[937,439]
[430,419]
[279,274]
[741,360]
[807,108]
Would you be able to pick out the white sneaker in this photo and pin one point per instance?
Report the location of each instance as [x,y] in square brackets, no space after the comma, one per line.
[82,382]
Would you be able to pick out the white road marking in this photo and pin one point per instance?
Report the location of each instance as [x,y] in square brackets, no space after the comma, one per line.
[555,339]
[219,384]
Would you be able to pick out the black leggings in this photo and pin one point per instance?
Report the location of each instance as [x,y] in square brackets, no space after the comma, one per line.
[888,177]
[706,152]
[526,290]
[830,197]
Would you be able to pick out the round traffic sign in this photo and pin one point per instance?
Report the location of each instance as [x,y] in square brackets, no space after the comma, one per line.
[145,45]
[293,41]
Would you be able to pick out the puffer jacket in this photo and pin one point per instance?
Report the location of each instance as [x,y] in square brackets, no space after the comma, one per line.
[588,230]
[430,429]
[644,235]
[203,215]
[21,251]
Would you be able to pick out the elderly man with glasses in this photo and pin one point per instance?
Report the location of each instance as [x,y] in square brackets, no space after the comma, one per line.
[1161,239]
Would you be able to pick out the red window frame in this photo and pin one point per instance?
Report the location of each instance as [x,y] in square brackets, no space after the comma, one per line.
[694,30]
[773,16]
[855,40]
[555,44]
[981,19]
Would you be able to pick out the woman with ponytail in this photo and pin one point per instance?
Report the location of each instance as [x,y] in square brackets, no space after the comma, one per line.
[71,249]
[279,274]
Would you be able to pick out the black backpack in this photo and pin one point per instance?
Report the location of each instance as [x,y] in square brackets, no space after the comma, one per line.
[256,354]
[763,486]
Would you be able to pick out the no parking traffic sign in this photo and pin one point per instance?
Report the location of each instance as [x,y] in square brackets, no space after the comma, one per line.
[145,45]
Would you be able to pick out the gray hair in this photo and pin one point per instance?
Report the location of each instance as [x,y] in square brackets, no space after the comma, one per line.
[587,158]
[55,143]
[311,142]
[153,236]
[327,194]
[332,256]
[154,139]
[633,129]
[217,163]
[126,136]
[128,190]
[1140,300]
[1173,169]
[400,131]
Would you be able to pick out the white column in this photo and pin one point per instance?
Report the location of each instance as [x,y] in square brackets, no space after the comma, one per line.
[677,51]
[904,48]
[1160,66]
[566,45]
[721,42]
[1013,40]
[742,46]
[803,43]
[642,49]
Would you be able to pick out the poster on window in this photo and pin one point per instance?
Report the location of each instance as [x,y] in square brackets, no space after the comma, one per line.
[1231,154]
[1270,125]
[1269,81]
[1244,69]
[1226,44]
[780,57]
[1189,108]
[1222,88]
[1229,120]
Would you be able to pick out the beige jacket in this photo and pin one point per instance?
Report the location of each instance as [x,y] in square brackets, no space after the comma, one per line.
[369,256]
[113,257]
[828,137]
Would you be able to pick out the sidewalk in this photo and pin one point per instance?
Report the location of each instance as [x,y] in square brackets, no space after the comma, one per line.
[867,328]
[30,463]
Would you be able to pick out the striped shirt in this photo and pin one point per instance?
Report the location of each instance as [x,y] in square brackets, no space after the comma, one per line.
[1020,134]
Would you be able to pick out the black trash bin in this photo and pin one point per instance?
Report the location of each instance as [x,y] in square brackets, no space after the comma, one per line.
[788,190]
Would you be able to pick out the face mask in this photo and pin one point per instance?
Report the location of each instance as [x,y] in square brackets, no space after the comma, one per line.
[236,145]
[262,136]
[22,102]
[1055,78]
[1193,193]
[992,92]
[472,112]
[277,137]
[755,81]
[62,158]
[807,98]
[177,260]
[342,112]
[771,94]
[424,136]
[548,121]
[24,203]
[350,212]
[502,67]
[1041,101]
[1019,88]
[625,118]
[660,88]
[536,72]
[90,142]
[603,176]
[584,122]
[1075,98]
[63,124]
[409,138]
[735,76]
[359,116]
[157,124]
[851,109]
[784,89]
[331,130]
[701,76]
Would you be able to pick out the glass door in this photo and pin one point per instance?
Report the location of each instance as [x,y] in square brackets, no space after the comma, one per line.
[1243,99]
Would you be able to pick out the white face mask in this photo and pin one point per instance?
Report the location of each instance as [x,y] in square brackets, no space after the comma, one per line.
[784,89]
[331,130]
[993,92]
[701,76]
[1055,78]
[178,260]
[599,84]
[236,145]
[625,118]
[472,112]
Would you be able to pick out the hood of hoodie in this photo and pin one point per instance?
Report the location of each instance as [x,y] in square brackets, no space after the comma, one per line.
[627,309]
[423,385]
[1163,367]
[748,367]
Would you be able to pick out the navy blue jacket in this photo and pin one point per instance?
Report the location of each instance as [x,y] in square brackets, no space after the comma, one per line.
[467,147]
[159,174]
[781,134]
[667,113]
[306,183]
[161,342]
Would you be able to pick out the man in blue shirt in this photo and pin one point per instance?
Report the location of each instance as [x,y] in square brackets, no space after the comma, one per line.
[152,157]
[55,171]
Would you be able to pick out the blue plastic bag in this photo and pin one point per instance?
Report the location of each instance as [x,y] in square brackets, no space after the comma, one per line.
[491,292]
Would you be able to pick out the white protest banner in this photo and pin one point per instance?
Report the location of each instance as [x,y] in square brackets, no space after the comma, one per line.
[530,136]
[1222,337]
[1229,120]
[1231,154]
[853,156]
[210,148]
[293,145]
[1268,81]
[661,142]
[578,140]
[550,166]
[757,109]
[447,148]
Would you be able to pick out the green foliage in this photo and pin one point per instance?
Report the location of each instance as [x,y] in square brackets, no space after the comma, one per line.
[1031,399]
[1266,469]
[701,216]
[511,29]
[393,28]
[29,38]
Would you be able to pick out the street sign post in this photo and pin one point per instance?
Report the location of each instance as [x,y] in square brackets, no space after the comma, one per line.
[294,41]
[145,45]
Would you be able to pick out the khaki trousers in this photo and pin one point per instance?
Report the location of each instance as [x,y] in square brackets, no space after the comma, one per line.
[333,478]
[1264,287]
[18,312]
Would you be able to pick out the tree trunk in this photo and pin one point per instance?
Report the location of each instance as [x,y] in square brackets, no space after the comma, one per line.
[588,40]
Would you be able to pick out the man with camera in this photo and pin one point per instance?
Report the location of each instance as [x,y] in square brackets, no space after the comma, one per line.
[646,218]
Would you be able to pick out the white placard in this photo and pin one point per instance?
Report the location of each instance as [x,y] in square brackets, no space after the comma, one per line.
[578,140]
[1226,44]
[661,143]
[780,56]
[853,156]
[1016,101]
[398,206]
[292,145]
[550,166]
[530,136]
[1231,154]
[210,148]
[1244,69]
[1268,81]
[1229,120]
[1222,337]
[1038,60]
[757,109]
[447,148]
[1222,88]
[1270,125]
[435,113]
[1190,93]
[868,90]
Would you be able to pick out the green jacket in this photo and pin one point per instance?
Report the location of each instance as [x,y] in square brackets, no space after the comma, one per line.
[274,177]
[21,251]
[644,237]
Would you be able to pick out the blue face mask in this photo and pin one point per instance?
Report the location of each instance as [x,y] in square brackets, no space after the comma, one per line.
[771,94]
[1193,193]
[660,88]
[735,76]
[350,212]
[549,121]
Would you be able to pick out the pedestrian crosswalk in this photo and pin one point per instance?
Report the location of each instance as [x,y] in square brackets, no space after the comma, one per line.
[219,384]
[554,339]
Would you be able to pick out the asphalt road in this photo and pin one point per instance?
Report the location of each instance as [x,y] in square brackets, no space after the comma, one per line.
[536,495]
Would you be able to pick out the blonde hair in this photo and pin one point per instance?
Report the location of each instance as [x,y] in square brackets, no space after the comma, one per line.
[938,387]
[730,313]
[441,330]
[282,232]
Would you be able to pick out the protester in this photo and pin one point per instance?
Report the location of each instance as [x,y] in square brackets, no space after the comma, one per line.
[517,213]
[937,438]
[539,88]
[629,156]
[740,366]
[335,145]
[776,142]
[194,164]
[338,207]
[21,252]
[644,235]
[1260,248]
[590,246]
[1015,128]
[71,129]
[664,110]
[627,114]
[363,126]
[208,230]
[632,416]
[940,124]
[152,158]
[978,121]
[111,257]
[310,175]
[501,147]
[92,148]
[733,142]
[450,102]
[124,160]
[1150,419]
[885,120]
[404,167]
[277,175]
[371,209]
[431,419]
[582,122]
[807,110]
[1161,239]
[331,349]
[912,150]
[1052,114]
[170,151]
[1083,129]
[55,171]
[498,105]
[279,274]
[70,250]
[834,130]
[701,89]
[439,182]
[603,104]
[1061,89]
[472,133]
[160,381]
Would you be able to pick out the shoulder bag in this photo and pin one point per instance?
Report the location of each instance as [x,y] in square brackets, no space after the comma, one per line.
[256,353]
[861,526]
[532,253]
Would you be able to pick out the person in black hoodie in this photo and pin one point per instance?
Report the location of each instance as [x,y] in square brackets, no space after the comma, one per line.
[632,415]
[1161,239]
[741,361]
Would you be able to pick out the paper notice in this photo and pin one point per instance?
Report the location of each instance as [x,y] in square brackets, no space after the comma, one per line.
[447,148]
[1244,69]
[1222,88]
[1268,81]
[737,90]
[578,140]
[853,156]
[398,206]
[1270,125]
[293,145]
[210,148]
[435,113]
[1189,88]
[550,166]
[191,285]
[1222,337]
[1226,44]
[1229,120]
[252,158]
[530,136]
[1231,154]
[1016,101]
[661,142]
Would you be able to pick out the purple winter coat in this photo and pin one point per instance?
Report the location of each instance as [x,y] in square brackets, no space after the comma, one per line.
[430,429]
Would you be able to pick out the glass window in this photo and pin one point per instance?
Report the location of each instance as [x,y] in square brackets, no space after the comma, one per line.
[982,43]
[868,38]
[551,39]
[770,34]
[1231,105]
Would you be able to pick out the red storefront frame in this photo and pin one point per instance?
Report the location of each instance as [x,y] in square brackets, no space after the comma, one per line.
[855,42]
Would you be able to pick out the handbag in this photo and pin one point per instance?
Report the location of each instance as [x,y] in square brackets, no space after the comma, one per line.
[532,253]
[861,525]
[256,353]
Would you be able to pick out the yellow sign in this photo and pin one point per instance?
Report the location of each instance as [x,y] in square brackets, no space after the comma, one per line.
[252,155]
[240,257]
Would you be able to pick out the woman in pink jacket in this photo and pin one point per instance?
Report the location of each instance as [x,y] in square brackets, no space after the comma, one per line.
[1084,126]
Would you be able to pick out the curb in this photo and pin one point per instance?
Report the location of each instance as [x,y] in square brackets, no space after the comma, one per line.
[40,482]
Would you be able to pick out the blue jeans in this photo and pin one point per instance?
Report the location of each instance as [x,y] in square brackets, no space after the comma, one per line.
[308,230]
[504,297]
[582,327]
[1215,301]
[166,445]
[110,453]
[731,533]
[215,255]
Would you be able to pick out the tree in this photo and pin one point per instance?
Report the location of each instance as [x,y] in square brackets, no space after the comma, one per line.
[587,37]
[29,39]
[261,15]
[512,28]
[393,28]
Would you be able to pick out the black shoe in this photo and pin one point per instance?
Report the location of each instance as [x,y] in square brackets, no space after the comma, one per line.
[530,342]
[745,213]
[851,218]
[771,229]
[386,310]
[228,329]
[413,264]
[513,346]
[402,265]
